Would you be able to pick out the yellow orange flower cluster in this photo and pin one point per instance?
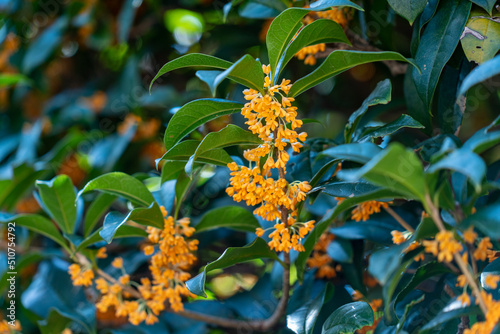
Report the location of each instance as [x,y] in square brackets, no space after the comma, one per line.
[364,210]
[339,15]
[274,121]
[399,237]
[80,276]
[6,328]
[444,246]
[174,255]
[492,317]
[320,259]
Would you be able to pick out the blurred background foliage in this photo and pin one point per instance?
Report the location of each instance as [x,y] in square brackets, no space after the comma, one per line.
[74,100]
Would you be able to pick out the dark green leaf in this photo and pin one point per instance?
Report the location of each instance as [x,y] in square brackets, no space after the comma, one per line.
[231,256]
[486,4]
[348,189]
[395,168]
[327,4]
[150,216]
[487,220]
[233,217]
[348,318]
[38,224]
[192,60]
[465,162]
[385,262]
[358,152]
[404,121]
[24,176]
[319,31]
[448,314]
[340,250]
[59,197]
[380,95]
[303,319]
[246,71]
[96,210]
[196,113]
[125,231]
[122,185]
[339,61]
[415,105]
[184,150]
[438,43]
[171,170]
[374,230]
[229,136]
[408,9]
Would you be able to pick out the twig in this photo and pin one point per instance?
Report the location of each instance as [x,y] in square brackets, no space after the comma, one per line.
[399,219]
[461,264]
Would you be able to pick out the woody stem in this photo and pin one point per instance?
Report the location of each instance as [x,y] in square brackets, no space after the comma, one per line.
[399,219]
[434,212]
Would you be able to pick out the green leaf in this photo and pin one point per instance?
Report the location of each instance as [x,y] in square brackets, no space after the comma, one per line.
[11,190]
[340,61]
[38,224]
[385,262]
[482,141]
[171,170]
[121,185]
[404,121]
[348,318]
[233,217]
[196,113]
[231,256]
[319,31]
[481,39]
[228,136]
[184,150]
[55,323]
[150,216]
[340,250]
[465,162]
[280,33]
[447,314]
[357,152]
[486,4]
[12,79]
[125,231]
[395,168]
[408,9]
[248,72]
[480,73]
[22,261]
[348,189]
[438,43]
[59,197]
[303,319]
[415,105]
[380,95]
[96,210]
[486,220]
[327,4]
[374,230]
[192,60]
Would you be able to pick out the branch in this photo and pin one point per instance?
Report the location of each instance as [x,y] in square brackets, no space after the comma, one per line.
[399,219]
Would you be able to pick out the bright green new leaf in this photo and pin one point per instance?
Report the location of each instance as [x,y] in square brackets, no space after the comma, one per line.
[340,61]
[231,256]
[232,217]
[192,60]
[59,197]
[395,168]
[121,185]
[150,216]
[481,39]
[319,31]
[11,79]
[439,41]
[408,9]
[194,114]
[348,318]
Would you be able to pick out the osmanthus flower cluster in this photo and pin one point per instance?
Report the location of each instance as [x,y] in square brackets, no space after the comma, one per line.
[272,117]
[340,15]
[172,256]
[364,210]
[321,260]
